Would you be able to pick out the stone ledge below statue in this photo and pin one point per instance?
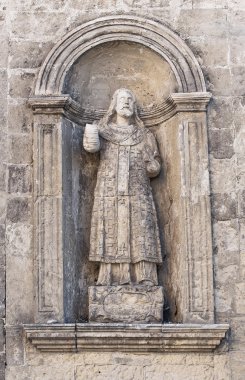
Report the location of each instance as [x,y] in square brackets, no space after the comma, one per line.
[126,303]
[123,337]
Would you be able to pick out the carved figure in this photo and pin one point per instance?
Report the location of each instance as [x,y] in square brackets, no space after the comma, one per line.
[124,231]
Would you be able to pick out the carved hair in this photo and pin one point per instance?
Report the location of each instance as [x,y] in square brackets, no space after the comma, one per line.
[108,117]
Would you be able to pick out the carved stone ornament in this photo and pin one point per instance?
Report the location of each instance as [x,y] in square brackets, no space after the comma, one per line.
[127,252]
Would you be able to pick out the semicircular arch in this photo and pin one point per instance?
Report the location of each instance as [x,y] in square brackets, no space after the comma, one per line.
[147,32]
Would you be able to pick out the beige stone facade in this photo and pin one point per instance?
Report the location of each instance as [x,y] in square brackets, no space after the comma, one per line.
[44,233]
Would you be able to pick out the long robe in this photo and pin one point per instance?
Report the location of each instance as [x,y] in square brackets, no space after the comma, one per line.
[124,223]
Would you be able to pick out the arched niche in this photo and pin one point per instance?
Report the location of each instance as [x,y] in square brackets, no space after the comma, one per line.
[163,72]
[145,31]
[98,73]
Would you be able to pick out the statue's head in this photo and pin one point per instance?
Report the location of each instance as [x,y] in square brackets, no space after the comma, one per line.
[123,103]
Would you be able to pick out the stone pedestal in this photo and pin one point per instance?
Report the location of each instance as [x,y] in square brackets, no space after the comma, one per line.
[129,304]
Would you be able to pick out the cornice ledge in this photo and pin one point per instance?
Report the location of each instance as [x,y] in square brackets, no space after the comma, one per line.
[126,337]
[190,101]
[63,105]
[151,115]
[51,104]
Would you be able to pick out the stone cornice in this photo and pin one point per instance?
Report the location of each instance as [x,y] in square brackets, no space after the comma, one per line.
[126,337]
[152,115]
[191,101]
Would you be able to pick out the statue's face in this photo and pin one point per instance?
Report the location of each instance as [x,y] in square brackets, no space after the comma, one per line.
[125,104]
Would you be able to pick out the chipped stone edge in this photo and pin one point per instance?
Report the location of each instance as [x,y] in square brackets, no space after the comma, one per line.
[159,113]
[126,337]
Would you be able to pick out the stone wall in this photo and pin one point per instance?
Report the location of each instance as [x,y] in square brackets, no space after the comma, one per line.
[214,30]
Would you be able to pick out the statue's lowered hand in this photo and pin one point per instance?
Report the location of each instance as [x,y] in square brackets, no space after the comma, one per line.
[152,165]
[153,168]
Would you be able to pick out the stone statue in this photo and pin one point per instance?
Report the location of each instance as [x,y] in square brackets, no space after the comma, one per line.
[124,231]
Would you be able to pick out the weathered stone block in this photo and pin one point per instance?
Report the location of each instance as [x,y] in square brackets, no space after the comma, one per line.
[238,82]
[2,335]
[220,112]
[207,49]
[215,27]
[226,259]
[224,300]
[208,4]
[20,148]
[242,235]
[3,83]
[21,84]
[237,325]
[131,304]
[19,237]
[4,50]
[226,235]
[3,125]
[2,234]
[241,204]
[235,18]
[2,365]
[221,143]
[19,117]
[2,180]
[223,175]
[181,372]
[14,345]
[19,179]
[228,274]
[2,209]
[108,372]
[56,370]
[39,5]
[216,79]
[221,367]
[240,297]
[18,210]
[19,282]
[237,49]
[28,54]
[224,206]
[4,146]
[237,364]
[2,279]
[46,25]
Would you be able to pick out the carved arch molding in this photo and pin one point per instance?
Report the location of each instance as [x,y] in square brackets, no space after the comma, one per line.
[181,128]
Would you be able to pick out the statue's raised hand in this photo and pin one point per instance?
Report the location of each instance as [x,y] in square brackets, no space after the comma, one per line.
[91,141]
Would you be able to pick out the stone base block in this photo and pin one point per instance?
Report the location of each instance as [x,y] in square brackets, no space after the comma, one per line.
[129,304]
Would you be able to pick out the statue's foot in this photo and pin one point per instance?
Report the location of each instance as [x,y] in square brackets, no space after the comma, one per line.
[126,282]
[147,283]
[102,283]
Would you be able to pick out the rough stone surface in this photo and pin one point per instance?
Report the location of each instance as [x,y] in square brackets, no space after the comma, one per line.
[19,179]
[18,210]
[214,30]
[224,206]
